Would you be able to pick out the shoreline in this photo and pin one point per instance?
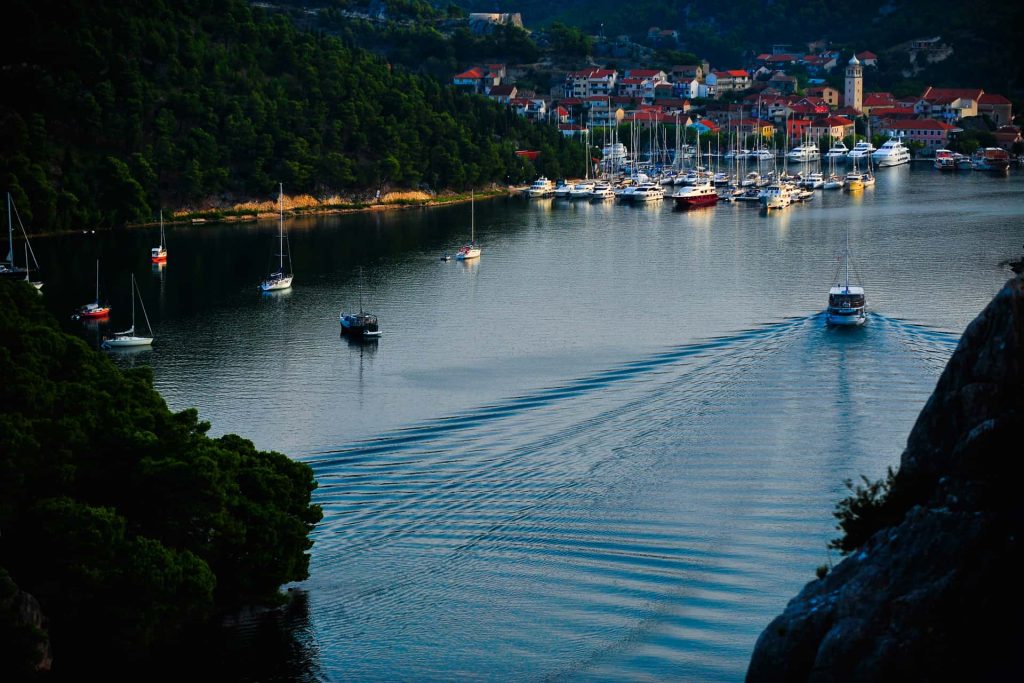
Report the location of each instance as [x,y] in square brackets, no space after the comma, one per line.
[239,213]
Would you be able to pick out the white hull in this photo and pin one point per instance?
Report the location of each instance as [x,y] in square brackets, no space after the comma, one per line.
[468,255]
[895,160]
[846,320]
[127,342]
[276,285]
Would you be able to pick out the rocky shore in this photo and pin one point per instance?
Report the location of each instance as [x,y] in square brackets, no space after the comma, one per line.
[934,591]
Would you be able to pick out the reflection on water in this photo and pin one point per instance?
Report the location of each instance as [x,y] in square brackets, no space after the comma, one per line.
[607,449]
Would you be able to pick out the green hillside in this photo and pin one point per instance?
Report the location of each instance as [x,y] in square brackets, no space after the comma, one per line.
[114,109]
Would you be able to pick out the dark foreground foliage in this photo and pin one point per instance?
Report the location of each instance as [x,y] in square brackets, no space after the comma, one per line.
[124,520]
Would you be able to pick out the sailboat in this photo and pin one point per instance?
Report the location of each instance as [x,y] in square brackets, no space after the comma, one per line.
[95,309]
[278,280]
[470,251]
[361,325]
[159,254]
[847,304]
[8,269]
[128,338]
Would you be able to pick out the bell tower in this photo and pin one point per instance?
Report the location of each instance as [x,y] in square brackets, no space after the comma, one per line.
[854,95]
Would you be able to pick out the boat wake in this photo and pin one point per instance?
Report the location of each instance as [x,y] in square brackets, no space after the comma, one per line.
[649,517]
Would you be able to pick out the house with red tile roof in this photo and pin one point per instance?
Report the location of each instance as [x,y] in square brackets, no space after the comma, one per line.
[473,79]
[730,79]
[848,112]
[867,58]
[831,128]
[796,128]
[686,72]
[930,133]
[656,74]
[998,109]
[877,99]
[587,82]
[946,106]
[1008,136]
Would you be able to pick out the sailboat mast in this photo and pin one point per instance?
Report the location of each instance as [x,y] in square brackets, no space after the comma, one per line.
[280,228]
[472,216]
[133,303]
[10,233]
[847,259]
[97,281]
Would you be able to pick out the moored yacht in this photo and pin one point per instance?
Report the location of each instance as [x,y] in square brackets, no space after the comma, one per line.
[814,181]
[582,190]
[601,192]
[807,152]
[892,153]
[563,189]
[837,151]
[861,150]
[776,196]
[647,192]
[542,187]
[692,196]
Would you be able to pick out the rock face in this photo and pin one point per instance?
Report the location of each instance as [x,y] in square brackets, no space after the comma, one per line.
[937,596]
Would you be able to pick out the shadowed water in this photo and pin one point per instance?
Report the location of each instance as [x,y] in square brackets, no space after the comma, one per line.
[607,450]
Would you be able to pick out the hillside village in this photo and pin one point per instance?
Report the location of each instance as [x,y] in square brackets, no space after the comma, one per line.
[763,97]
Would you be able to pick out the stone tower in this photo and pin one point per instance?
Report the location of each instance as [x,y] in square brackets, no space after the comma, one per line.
[854,95]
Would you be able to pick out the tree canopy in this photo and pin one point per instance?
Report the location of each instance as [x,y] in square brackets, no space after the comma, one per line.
[124,520]
[113,110]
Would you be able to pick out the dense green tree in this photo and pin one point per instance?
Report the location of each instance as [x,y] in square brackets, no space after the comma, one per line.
[124,520]
[118,108]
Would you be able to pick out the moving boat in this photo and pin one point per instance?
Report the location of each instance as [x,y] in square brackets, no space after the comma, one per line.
[470,251]
[95,309]
[159,254]
[128,338]
[847,304]
[361,325]
[945,160]
[694,196]
[278,280]
[542,187]
[991,159]
[892,153]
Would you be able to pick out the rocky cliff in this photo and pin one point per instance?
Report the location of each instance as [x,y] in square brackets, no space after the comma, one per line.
[936,594]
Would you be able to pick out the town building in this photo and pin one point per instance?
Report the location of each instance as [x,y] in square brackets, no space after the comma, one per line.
[930,133]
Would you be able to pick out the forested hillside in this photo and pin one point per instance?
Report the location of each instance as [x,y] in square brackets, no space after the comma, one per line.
[123,521]
[113,109]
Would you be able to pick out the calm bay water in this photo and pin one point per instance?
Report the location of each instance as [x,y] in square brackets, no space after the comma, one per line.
[609,449]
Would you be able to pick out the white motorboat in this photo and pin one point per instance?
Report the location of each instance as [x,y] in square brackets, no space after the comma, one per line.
[279,279]
[563,189]
[804,153]
[837,151]
[582,190]
[647,192]
[777,195]
[847,304]
[814,181]
[861,150]
[128,338]
[601,192]
[892,153]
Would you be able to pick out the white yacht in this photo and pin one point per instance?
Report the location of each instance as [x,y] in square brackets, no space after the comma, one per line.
[776,196]
[601,192]
[861,150]
[808,152]
[762,154]
[814,181]
[563,189]
[647,192]
[582,190]
[837,151]
[892,153]
[542,187]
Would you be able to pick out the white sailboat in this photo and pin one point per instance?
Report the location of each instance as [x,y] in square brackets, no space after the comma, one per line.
[847,304]
[159,254]
[128,338]
[470,251]
[8,269]
[278,280]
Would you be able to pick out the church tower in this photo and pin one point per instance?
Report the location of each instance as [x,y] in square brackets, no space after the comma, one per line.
[854,95]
